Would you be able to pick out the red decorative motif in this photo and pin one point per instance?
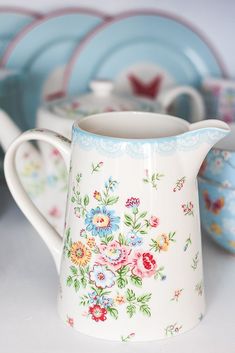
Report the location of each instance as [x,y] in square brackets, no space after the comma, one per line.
[150,89]
[98,313]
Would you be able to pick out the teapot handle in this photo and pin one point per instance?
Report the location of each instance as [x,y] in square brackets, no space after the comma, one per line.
[197,107]
[50,236]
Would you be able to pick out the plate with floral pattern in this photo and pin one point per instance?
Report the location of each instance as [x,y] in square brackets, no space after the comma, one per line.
[142,52]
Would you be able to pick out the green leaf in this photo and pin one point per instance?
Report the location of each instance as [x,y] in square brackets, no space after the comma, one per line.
[82,271]
[113,312]
[143,214]
[137,281]
[76,284]
[130,295]
[122,239]
[74,270]
[128,224]
[69,281]
[137,226]
[145,181]
[145,309]
[86,200]
[143,232]
[123,270]
[131,310]
[72,199]
[128,218]
[144,298]
[83,282]
[121,282]
[112,200]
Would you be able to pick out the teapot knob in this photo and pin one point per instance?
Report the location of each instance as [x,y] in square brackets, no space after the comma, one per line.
[101,87]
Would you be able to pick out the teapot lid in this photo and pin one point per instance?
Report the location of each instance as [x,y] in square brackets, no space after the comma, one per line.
[101,98]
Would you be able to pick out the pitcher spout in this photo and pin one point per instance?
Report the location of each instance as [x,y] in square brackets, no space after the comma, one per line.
[205,135]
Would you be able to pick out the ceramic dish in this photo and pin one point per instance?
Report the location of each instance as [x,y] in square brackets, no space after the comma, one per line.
[217,210]
[219,164]
[49,44]
[219,95]
[138,51]
[13,20]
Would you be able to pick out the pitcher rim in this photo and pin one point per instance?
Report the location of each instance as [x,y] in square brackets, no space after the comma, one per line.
[186,125]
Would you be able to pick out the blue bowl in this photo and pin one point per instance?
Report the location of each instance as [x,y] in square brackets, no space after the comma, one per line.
[219,164]
[217,210]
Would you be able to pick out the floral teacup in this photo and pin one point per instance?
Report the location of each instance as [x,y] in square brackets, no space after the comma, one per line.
[219,96]
[219,164]
[217,210]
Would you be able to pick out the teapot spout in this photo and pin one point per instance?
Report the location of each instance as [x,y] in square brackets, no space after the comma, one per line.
[205,134]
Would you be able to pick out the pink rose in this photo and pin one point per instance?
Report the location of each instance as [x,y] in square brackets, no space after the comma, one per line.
[144,264]
[114,255]
[154,221]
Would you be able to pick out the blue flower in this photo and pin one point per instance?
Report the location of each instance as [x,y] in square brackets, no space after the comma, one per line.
[101,221]
[103,277]
[133,239]
[110,184]
[93,298]
[106,302]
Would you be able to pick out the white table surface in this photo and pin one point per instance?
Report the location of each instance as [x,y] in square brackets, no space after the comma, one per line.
[28,290]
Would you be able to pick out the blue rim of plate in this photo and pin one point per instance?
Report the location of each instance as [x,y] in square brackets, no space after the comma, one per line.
[15,53]
[71,68]
[53,14]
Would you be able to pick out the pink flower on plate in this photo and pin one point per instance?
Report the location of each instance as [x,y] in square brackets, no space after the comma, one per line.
[154,222]
[114,255]
[144,264]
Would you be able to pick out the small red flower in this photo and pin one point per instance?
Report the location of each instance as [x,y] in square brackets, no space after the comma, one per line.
[98,313]
[154,221]
[55,212]
[70,321]
[55,152]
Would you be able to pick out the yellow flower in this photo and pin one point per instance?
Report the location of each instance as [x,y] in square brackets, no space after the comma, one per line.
[97,195]
[120,299]
[163,242]
[232,243]
[216,228]
[91,242]
[80,254]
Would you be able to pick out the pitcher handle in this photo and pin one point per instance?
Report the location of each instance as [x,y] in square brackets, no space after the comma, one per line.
[50,236]
[197,107]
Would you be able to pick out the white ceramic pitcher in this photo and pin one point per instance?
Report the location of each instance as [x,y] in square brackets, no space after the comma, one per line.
[131,261]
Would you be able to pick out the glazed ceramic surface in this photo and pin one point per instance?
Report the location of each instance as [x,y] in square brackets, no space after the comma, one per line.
[217,209]
[13,20]
[219,164]
[59,116]
[219,95]
[49,43]
[103,98]
[140,57]
[131,262]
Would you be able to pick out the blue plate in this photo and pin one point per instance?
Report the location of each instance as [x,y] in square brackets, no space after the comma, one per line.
[132,43]
[43,50]
[13,20]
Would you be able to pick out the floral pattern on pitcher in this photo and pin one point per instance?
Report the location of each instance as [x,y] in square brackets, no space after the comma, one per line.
[105,258]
